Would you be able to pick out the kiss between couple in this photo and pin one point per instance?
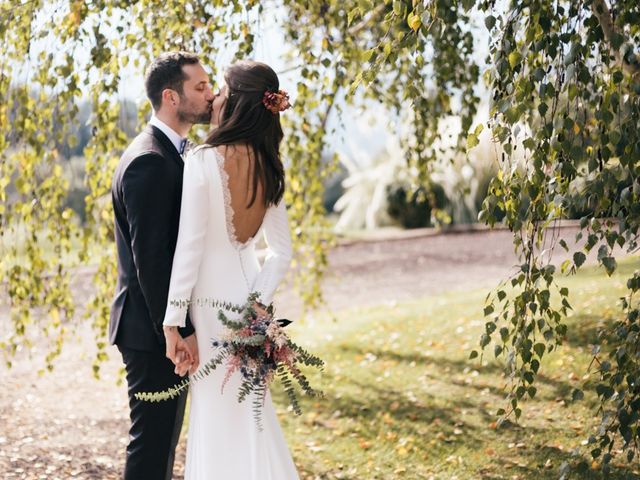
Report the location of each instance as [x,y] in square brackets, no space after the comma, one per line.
[186,224]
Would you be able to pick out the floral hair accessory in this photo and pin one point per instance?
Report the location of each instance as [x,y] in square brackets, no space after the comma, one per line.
[276,101]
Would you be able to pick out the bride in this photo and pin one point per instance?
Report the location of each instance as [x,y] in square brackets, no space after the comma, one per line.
[232,194]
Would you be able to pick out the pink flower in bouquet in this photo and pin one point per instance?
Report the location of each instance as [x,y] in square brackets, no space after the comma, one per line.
[277,334]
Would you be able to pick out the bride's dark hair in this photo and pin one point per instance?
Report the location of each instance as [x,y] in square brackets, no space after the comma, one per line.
[244,119]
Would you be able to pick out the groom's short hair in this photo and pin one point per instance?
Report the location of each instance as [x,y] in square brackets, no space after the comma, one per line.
[166,72]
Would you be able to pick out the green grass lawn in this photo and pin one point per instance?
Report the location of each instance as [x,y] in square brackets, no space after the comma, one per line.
[403,400]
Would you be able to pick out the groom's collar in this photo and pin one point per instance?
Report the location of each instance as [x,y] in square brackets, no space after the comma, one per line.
[171,134]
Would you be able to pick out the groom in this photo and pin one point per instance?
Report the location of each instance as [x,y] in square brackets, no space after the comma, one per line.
[146,193]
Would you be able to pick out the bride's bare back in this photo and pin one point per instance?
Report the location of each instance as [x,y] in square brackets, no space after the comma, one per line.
[239,165]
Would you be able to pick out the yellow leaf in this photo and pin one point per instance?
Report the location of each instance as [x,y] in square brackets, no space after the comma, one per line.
[55,317]
[414,22]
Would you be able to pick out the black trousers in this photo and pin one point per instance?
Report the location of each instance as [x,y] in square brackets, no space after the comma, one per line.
[155,427]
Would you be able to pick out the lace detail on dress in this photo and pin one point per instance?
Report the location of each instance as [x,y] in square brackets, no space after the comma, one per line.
[228,209]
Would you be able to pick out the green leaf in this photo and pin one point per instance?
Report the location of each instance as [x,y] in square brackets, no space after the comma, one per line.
[609,264]
[472,141]
[535,366]
[579,259]
[544,22]
[514,59]
[603,251]
[352,14]
[617,77]
[528,377]
[504,334]
[366,56]
[386,49]
[398,8]
[542,108]
[490,22]
[529,143]
[538,74]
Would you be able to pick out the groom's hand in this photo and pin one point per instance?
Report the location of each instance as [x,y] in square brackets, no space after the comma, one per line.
[191,343]
[183,359]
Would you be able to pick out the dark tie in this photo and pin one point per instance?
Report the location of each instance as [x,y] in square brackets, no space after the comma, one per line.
[183,144]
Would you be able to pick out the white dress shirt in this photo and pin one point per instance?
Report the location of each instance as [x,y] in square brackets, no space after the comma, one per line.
[174,136]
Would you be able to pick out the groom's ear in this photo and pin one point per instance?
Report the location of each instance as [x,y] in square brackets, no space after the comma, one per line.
[169,97]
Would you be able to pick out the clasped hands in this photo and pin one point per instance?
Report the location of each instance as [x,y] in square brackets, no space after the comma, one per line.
[183,352]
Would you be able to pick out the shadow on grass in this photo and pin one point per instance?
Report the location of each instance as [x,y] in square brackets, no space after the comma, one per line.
[584,330]
[560,388]
[546,465]
[375,408]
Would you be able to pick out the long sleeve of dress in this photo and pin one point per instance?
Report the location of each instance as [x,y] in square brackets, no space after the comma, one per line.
[191,238]
[276,264]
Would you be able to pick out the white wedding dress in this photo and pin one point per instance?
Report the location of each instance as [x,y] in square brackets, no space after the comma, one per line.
[210,264]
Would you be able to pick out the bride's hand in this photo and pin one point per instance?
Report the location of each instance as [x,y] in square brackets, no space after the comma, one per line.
[177,350]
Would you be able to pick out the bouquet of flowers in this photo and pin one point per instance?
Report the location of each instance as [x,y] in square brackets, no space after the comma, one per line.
[256,347]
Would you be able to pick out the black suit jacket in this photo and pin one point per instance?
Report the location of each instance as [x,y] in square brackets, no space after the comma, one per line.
[146,193]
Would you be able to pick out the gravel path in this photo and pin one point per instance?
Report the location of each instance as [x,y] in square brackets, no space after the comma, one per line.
[66,425]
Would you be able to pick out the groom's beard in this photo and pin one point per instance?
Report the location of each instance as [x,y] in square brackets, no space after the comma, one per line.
[189,116]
